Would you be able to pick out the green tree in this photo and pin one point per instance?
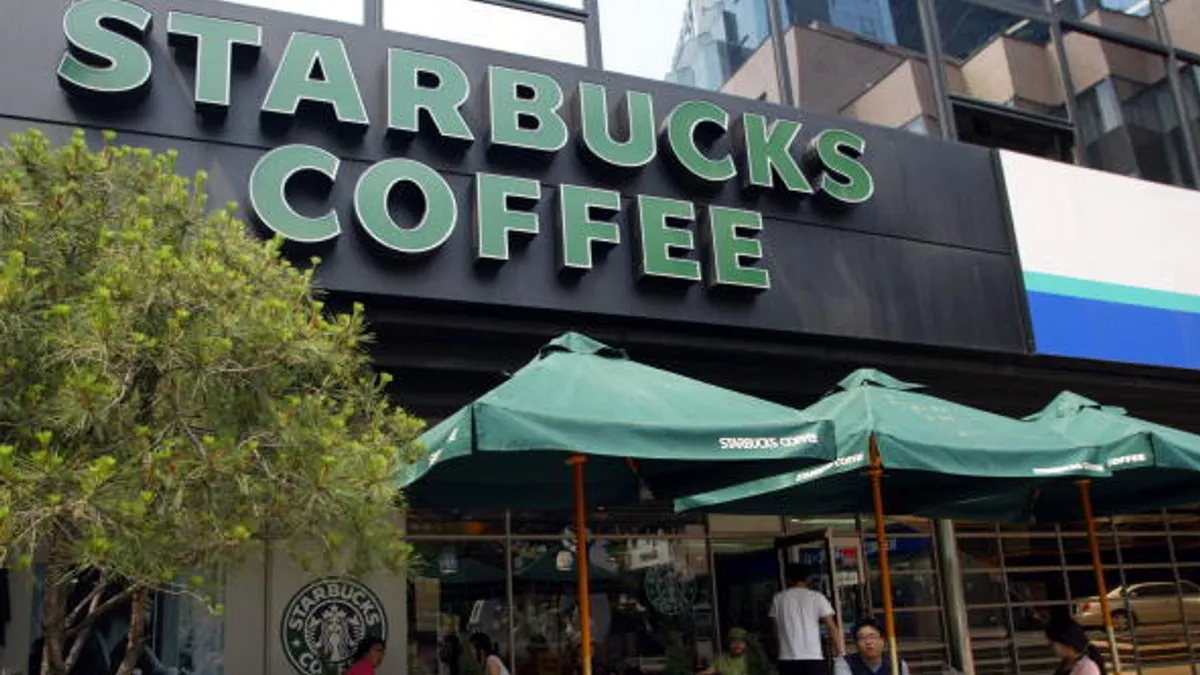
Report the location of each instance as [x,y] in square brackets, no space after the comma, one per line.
[172,392]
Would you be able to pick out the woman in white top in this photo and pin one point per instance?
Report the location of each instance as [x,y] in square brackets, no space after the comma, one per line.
[488,655]
[1072,645]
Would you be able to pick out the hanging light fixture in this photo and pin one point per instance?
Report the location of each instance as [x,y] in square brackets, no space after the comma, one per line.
[448,561]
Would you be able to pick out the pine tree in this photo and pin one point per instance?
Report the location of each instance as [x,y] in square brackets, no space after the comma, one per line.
[172,392]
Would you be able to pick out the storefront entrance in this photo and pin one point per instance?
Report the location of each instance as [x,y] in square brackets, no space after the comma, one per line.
[748,577]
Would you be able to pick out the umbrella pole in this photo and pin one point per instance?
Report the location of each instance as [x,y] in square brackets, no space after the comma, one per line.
[875,472]
[1085,499]
[582,562]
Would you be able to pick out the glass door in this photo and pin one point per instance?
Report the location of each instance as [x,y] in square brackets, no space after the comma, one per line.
[748,575]
[837,562]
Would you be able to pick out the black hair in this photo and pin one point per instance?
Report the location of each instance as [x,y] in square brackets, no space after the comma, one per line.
[1065,631]
[482,643]
[867,622]
[365,646]
[796,573]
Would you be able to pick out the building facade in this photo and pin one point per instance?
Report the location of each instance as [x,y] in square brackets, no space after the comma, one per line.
[996,198]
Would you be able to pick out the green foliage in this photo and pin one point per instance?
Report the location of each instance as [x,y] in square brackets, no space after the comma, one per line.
[757,661]
[171,389]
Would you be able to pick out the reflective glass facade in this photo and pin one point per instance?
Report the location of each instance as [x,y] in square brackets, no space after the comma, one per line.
[1102,83]
[666,593]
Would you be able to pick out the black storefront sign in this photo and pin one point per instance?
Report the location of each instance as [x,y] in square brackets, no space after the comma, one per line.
[523,200]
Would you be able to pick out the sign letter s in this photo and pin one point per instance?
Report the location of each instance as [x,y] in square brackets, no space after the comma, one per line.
[105,57]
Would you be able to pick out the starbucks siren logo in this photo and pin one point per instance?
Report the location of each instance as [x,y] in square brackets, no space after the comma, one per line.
[326,620]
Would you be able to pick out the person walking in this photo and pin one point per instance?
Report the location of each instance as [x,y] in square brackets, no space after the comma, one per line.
[1070,642]
[870,658]
[798,613]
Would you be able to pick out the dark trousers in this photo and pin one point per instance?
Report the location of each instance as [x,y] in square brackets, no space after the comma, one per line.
[803,668]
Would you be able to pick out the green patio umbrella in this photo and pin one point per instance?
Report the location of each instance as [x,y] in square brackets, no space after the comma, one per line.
[467,571]
[1146,466]
[525,443]
[932,450]
[545,569]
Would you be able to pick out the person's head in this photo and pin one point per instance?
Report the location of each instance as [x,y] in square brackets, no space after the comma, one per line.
[1067,638]
[370,649]
[483,646]
[868,636]
[797,574]
[737,641]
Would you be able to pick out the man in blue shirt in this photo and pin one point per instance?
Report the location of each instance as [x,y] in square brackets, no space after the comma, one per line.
[871,657]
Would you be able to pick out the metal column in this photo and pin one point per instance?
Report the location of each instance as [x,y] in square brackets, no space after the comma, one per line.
[958,629]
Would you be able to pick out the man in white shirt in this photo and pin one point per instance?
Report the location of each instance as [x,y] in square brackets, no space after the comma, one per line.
[798,613]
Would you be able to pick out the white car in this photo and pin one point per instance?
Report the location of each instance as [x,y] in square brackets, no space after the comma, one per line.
[1149,603]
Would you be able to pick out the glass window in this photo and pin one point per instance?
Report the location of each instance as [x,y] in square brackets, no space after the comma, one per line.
[183,635]
[720,45]
[979,552]
[346,11]
[651,606]
[863,59]
[425,522]
[1127,117]
[909,590]
[1183,23]
[569,4]
[920,635]
[991,640]
[483,24]
[1127,16]
[1189,80]
[1000,58]
[456,588]
[188,638]
[651,517]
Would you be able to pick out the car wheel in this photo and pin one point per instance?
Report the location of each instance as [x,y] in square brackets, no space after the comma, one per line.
[1122,622]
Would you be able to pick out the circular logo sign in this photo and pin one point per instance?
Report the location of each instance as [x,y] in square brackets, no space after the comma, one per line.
[670,591]
[325,621]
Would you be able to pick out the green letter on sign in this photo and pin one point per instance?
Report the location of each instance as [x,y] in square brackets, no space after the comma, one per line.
[658,240]
[213,43]
[727,248]
[577,230]
[102,61]
[682,124]
[294,82]
[844,179]
[768,153]
[494,221]
[371,206]
[523,110]
[635,119]
[268,193]
[407,96]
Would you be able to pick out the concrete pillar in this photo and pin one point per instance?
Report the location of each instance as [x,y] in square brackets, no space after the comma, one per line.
[954,601]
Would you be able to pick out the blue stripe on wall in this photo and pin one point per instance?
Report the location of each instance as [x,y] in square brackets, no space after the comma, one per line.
[1109,331]
[1099,290]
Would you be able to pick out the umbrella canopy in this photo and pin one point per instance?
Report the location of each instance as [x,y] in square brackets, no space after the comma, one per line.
[466,571]
[633,422]
[545,569]
[1146,466]
[933,451]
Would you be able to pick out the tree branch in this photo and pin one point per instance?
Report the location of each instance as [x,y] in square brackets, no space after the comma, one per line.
[91,600]
[77,645]
[89,620]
